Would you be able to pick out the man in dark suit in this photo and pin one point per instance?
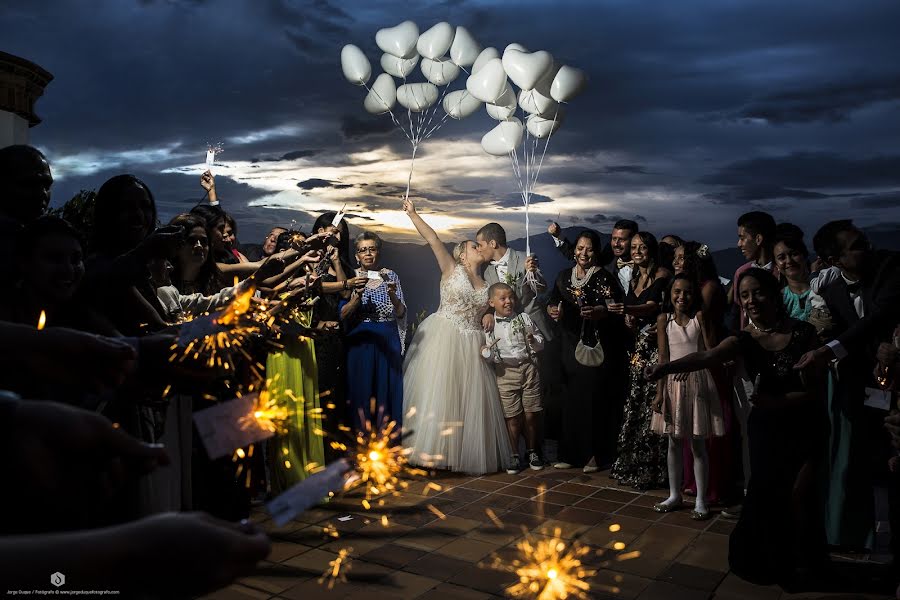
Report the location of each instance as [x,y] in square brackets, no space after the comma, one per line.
[616,257]
[864,303]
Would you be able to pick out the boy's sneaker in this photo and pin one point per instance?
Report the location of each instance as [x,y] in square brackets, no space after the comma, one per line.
[515,467]
[535,462]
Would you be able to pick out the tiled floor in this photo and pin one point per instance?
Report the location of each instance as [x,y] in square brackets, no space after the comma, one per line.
[419,554]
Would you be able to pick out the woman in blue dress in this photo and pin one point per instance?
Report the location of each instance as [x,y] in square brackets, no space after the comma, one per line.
[374,320]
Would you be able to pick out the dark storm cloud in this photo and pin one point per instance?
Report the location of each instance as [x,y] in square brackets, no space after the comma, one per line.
[742,194]
[628,169]
[514,200]
[878,201]
[601,219]
[829,103]
[353,127]
[315,183]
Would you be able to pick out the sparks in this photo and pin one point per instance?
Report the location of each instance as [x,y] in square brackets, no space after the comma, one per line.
[267,414]
[337,568]
[42,320]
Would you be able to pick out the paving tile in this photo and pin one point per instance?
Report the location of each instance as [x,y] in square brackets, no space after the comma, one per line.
[389,532]
[506,477]
[708,550]
[467,549]
[638,512]
[682,518]
[484,485]
[587,479]
[627,531]
[476,513]
[498,501]
[462,494]
[548,483]
[692,577]
[565,530]
[521,491]
[485,579]
[453,525]
[661,590]
[358,545]
[491,534]
[313,590]
[622,586]
[313,561]
[560,475]
[663,541]
[450,591]
[599,505]
[236,592]
[421,517]
[723,526]
[614,495]
[649,567]
[554,497]
[437,566]
[282,551]
[576,488]
[403,587]
[539,509]
[393,555]
[424,540]
[316,515]
[517,520]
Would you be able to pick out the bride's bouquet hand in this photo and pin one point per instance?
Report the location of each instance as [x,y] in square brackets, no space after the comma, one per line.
[408,207]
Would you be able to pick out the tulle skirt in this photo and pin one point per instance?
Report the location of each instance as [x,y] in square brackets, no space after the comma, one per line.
[691,408]
[451,407]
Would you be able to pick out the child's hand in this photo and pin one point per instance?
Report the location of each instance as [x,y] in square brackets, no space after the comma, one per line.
[486,352]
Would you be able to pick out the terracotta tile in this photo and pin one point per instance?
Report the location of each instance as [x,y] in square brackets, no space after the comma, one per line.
[312,590]
[663,541]
[506,477]
[475,513]
[545,482]
[606,506]
[555,497]
[453,525]
[682,518]
[467,549]
[628,530]
[484,485]
[539,509]
[516,520]
[614,495]
[282,551]
[311,536]
[580,516]
[723,526]
[316,515]
[520,491]
[576,488]
[237,592]
[735,588]
[376,530]
[403,586]
[565,530]
[498,501]
[643,566]
[450,591]
[560,475]
[274,530]
[692,577]
[437,566]
[449,480]
[638,512]
[313,561]
[424,540]
[485,579]
[461,494]
[359,546]
[491,534]
[393,555]
[622,586]
[421,517]
[660,590]
[586,480]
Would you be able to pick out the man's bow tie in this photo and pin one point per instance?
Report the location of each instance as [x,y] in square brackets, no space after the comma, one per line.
[503,319]
[498,262]
[623,263]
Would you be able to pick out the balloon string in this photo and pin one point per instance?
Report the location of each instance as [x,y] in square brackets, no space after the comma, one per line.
[440,102]
[390,112]
[412,163]
[547,143]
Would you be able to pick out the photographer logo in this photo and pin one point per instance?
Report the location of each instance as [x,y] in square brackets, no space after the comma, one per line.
[58,579]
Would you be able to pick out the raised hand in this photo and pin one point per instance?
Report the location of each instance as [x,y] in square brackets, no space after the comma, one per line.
[408,207]
[207,181]
[554,229]
[531,263]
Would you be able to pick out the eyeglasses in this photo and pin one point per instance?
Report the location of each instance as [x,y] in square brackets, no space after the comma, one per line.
[367,250]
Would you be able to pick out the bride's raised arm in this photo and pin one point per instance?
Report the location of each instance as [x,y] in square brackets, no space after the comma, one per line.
[445,261]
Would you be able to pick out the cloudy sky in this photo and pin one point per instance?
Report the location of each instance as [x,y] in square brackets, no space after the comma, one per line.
[695,110]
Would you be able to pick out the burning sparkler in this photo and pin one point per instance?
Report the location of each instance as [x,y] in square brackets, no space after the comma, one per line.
[42,320]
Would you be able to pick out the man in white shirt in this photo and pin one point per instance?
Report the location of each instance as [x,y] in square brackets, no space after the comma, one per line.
[512,347]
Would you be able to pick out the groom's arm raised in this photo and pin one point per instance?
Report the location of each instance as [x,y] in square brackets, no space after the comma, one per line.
[445,261]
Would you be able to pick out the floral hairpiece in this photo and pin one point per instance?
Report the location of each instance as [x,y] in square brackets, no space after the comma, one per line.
[703,251]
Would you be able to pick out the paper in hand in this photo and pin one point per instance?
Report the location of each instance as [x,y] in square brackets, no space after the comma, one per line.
[308,493]
[224,428]
[338,216]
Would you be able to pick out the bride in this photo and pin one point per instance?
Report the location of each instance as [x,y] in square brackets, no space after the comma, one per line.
[451,405]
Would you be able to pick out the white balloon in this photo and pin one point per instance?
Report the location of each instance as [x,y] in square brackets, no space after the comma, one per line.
[460,104]
[399,40]
[526,68]
[464,49]
[518,47]
[546,80]
[486,56]
[540,127]
[417,96]
[568,83]
[489,83]
[382,96]
[398,67]
[535,103]
[435,42]
[504,138]
[440,71]
[355,65]
[499,112]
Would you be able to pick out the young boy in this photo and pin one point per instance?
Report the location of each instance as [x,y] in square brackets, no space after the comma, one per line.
[512,348]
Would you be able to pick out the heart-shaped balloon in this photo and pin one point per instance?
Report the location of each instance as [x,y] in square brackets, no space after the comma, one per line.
[546,80]
[435,42]
[540,127]
[460,104]
[382,95]
[464,49]
[398,67]
[399,40]
[355,65]
[515,46]
[526,68]
[499,112]
[417,96]
[504,138]
[489,83]
[486,56]
[535,103]
[568,83]
[440,71]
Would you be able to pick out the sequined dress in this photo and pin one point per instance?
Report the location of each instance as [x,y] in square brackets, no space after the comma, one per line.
[452,412]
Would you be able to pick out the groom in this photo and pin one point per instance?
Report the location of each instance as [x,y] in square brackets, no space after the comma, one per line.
[509,266]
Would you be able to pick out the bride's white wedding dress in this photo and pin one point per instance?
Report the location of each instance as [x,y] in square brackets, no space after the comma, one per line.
[451,406]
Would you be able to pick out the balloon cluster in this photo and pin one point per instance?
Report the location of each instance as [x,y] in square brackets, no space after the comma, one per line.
[442,52]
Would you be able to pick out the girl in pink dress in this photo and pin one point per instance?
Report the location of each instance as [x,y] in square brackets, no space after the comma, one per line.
[687,405]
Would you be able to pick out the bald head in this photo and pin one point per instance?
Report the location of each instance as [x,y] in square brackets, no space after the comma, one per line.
[25,182]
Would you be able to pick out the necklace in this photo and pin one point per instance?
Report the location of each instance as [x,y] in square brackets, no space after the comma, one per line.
[580,282]
[763,329]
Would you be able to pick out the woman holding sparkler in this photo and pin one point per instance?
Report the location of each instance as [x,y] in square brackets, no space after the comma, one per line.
[580,303]
[375,321]
[452,409]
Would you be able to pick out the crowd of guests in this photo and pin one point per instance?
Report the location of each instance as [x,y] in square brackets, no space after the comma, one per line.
[770,394]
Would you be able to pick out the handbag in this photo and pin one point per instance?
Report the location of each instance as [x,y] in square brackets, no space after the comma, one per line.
[589,356]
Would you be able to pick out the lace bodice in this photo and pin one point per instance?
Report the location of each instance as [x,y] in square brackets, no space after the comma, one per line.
[460,302]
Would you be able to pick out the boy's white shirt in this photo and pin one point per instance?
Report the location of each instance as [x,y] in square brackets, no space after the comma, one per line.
[509,345]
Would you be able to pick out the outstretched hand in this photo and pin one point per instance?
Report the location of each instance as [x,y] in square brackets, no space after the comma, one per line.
[408,207]
[653,372]
[820,357]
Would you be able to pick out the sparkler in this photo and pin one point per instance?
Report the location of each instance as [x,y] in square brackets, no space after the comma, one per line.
[337,568]
[42,320]
[267,413]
